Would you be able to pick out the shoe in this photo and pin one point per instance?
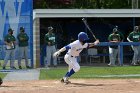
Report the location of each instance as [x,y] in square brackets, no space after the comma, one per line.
[134,64]
[13,68]
[55,66]
[65,80]
[28,67]
[111,65]
[20,67]
[3,68]
[62,80]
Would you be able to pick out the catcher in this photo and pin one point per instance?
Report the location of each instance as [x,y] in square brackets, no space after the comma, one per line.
[74,49]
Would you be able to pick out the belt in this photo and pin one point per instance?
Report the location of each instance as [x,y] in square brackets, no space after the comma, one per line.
[71,55]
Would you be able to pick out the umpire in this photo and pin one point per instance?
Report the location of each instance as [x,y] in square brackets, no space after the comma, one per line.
[51,48]
[23,47]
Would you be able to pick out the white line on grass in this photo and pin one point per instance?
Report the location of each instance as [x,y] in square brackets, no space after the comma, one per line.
[130,75]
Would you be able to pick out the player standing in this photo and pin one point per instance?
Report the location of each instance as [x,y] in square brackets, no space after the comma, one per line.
[74,49]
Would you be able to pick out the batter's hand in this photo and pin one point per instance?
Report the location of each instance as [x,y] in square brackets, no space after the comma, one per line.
[56,54]
[96,42]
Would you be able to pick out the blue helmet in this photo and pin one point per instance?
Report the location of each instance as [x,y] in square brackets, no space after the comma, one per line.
[82,36]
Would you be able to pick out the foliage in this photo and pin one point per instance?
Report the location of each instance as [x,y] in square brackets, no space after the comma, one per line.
[83,4]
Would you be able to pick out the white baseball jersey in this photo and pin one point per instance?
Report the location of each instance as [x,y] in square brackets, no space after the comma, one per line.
[76,47]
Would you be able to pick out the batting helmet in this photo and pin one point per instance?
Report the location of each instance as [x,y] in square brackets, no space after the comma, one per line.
[82,36]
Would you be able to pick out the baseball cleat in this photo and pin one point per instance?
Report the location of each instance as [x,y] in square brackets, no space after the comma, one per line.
[62,80]
[66,81]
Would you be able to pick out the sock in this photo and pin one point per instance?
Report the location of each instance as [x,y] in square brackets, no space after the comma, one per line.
[66,74]
[71,72]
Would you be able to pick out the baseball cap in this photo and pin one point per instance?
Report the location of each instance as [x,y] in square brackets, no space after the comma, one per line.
[21,28]
[50,28]
[10,30]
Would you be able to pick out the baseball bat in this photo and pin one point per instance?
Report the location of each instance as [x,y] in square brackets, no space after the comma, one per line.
[87,26]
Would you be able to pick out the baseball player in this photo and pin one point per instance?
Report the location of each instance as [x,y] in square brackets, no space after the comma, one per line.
[135,37]
[10,42]
[74,49]
[51,48]
[23,47]
[113,50]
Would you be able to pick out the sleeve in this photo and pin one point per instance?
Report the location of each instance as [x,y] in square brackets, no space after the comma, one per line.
[5,38]
[86,45]
[18,37]
[14,39]
[46,39]
[27,37]
[121,36]
[130,36]
[109,38]
[67,47]
[72,46]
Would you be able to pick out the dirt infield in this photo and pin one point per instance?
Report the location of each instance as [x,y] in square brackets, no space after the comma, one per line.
[77,86]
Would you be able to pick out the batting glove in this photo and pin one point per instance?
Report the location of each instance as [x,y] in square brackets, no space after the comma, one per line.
[56,54]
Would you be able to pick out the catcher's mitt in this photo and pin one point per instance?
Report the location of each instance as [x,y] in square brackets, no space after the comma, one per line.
[1,81]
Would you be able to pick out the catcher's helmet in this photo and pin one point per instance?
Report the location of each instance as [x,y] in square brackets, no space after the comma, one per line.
[50,28]
[82,36]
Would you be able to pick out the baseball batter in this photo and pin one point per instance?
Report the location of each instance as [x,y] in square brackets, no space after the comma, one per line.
[74,49]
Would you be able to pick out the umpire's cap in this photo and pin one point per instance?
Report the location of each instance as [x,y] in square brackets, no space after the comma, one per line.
[50,28]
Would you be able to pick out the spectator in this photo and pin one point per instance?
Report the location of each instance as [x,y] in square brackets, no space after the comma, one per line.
[135,37]
[23,47]
[10,41]
[51,48]
[113,50]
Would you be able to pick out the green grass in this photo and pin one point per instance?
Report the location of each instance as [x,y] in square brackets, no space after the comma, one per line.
[93,72]
[2,75]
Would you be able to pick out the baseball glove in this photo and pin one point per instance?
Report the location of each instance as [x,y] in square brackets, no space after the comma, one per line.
[1,81]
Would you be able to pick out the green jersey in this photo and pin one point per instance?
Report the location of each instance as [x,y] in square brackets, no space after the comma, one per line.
[134,36]
[50,38]
[121,35]
[114,37]
[10,39]
[22,39]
